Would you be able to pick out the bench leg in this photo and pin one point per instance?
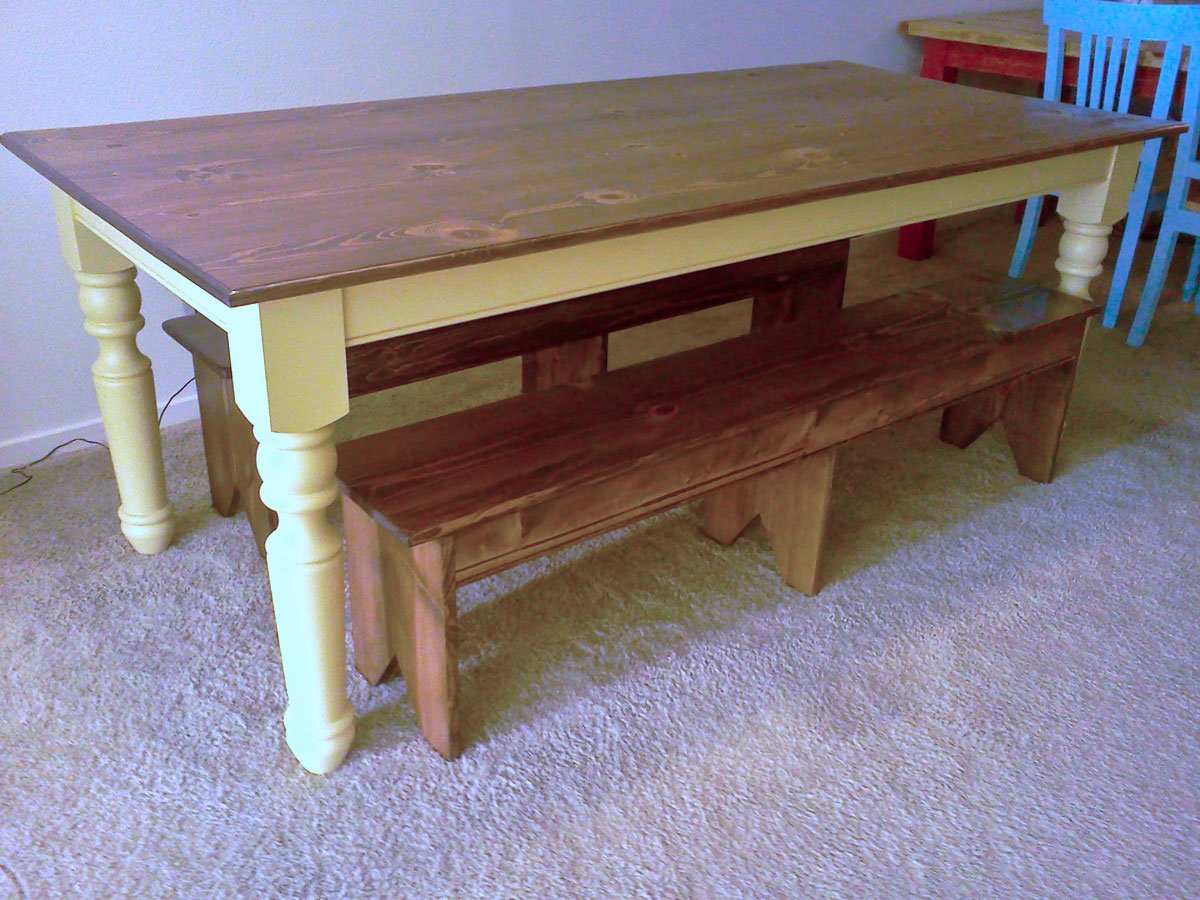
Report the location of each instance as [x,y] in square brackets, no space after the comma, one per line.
[793,503]
[1034,415]
[728,511]
[574,362]
[816,299]
[215,395]
[423,630]
[230,452]
[403,616]
[1033,409]
[373,656]
[795,509]
[964,422]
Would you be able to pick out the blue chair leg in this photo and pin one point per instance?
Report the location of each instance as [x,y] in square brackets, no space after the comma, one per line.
[1193,278]
[1129,242]
[1029,224]
[1164,249]
[1139,202]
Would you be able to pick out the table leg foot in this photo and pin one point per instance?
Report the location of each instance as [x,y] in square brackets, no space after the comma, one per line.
[304,565]
[111,305]
[323,751]
[1081,256]
[148,534]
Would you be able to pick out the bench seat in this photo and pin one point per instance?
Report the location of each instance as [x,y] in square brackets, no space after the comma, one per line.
[558,343]
[752,423]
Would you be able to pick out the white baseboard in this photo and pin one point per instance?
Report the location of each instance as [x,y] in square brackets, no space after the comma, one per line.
[28,447]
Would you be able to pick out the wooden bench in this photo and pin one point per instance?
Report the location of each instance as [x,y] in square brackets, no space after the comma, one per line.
[558,343]
[750,424]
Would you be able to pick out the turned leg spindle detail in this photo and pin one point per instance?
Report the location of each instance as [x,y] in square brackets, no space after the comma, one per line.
[304,565]
[111,305]
[1081,253]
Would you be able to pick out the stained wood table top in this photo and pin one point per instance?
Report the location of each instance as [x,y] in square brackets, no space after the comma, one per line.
[1017,29]
[1013,29]
[259,206]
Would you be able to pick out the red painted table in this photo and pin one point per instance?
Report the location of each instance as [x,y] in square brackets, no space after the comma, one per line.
[1010,43]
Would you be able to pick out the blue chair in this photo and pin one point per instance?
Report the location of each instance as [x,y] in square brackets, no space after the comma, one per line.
[1180,216]
[1111,38]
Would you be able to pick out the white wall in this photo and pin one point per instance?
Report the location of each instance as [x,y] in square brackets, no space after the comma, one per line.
[121,60]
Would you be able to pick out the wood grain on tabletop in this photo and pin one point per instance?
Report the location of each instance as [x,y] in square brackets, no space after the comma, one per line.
[258,206]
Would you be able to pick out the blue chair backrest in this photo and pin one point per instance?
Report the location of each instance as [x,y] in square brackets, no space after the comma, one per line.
[1112,35]
[1186,165]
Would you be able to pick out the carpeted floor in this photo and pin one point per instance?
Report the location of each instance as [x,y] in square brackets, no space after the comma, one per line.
[995,695]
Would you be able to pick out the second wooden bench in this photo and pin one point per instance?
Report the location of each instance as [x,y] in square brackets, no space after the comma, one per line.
[751,424]
[559,343]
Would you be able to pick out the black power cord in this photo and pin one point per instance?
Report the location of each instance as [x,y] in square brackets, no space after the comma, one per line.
[173,396]
[26,476]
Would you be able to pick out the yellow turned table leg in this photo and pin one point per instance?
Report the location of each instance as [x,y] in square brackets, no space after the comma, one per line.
[111,305]
[1088,214]
[289,379]
[304,564]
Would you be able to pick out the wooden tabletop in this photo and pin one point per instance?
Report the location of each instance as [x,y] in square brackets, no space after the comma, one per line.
[1017,29]
[1014,29]
[259,206]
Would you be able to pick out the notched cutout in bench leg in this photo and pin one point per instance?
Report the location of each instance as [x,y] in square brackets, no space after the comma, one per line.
[795,511]
[728,511]
[964,422]
[793,503]
[419,585]
[1034,415]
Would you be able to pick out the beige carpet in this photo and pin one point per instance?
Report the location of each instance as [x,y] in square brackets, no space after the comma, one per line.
[996,694]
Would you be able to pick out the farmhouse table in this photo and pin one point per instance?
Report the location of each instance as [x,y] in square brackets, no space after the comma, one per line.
[304,231]
[1010,43]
